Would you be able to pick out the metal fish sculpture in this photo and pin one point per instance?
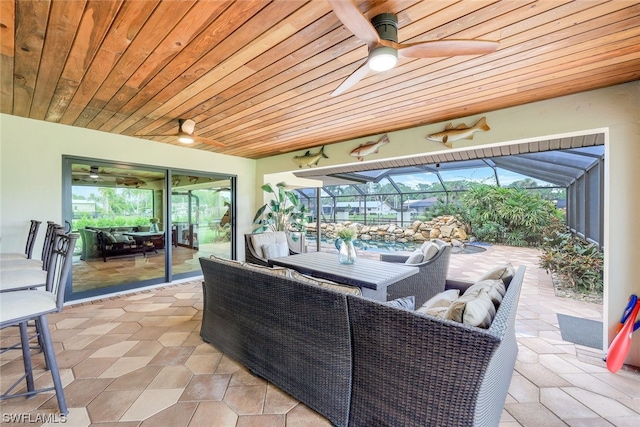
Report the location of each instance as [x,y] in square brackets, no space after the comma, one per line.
[451,134]
[309,159]
[369,147]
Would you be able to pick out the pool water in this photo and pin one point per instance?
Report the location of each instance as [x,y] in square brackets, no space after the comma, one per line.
[383,246]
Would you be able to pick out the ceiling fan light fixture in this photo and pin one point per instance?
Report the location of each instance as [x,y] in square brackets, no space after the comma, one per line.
[383,58]
[185,138]
[93,172]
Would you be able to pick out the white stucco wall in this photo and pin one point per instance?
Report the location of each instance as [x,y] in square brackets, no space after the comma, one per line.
[614,110]
[31,171]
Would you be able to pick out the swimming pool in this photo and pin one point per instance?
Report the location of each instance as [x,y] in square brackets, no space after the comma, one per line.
[385,246]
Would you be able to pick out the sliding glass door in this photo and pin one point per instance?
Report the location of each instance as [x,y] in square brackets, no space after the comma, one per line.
[200,219]
[141,225]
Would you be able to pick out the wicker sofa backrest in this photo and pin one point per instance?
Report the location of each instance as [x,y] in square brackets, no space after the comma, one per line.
[295,335]
[414,370]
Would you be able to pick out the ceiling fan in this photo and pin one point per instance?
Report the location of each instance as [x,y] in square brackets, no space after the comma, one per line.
[186,136]
[381,36]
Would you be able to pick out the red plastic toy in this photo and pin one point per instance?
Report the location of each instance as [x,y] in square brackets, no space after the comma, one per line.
[619,347]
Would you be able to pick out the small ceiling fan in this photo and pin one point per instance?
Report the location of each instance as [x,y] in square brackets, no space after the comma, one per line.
[381,36]
[186,136]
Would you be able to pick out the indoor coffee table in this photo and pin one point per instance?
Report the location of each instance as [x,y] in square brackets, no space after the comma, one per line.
[371,276]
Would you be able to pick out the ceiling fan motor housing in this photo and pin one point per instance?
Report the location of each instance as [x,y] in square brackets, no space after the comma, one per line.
[386,24]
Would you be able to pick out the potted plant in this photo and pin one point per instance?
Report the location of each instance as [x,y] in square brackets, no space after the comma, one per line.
[283,212]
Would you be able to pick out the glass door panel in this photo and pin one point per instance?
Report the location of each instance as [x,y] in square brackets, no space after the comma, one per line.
[200,220]
[118,212]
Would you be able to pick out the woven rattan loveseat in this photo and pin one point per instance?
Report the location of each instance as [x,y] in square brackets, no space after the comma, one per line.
[356,361]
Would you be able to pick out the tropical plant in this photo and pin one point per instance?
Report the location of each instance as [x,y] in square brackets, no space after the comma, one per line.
[507,215]
[575,262]
[284,212]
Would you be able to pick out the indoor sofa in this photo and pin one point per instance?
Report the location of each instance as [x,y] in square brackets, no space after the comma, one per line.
[356,361]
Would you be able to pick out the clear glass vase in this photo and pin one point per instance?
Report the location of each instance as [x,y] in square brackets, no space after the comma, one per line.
[347,252]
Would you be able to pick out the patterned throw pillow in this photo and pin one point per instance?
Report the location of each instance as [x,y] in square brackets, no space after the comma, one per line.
[473,308]
[338,287]
[494,287]
[405,303]
[278,271]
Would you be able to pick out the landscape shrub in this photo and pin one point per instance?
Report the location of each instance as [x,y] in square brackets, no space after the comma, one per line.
[576,263]
[509,216]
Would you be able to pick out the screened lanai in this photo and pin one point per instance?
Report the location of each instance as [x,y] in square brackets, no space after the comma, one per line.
[567,171]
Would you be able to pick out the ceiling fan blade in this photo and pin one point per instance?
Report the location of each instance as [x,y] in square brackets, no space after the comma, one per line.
[154,134]
[209,141]
[354,78]
[355,21]
[187,126]
[441,48]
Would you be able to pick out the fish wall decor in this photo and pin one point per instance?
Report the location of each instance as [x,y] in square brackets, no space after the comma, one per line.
[450,134]
[369,148]
[309,159]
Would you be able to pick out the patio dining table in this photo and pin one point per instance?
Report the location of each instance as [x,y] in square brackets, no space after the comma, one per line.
[371,276]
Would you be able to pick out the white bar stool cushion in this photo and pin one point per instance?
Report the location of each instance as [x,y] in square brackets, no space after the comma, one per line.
[20,264]
[26,304]
[20,279]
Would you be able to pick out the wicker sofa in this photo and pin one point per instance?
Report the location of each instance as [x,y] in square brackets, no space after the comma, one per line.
[356,361]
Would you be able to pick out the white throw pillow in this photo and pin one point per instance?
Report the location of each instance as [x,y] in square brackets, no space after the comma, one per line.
[504,272]
[275,250]
[416,257]
[443,299]
[429,250]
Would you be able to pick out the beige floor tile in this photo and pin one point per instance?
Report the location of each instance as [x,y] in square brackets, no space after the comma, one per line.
[151,402]
[563,405]
[172,356]
[149,348]
[92,368]
[523,390]
[213,414]
[171,377]
[540,375]
[115,350]
[206,387]
[203,363]
[246,399]
[124,365]
[277,401]
[589,382]
[602,405]
[177,415]
[135,380]
[82,391]
[109,406]
[534,414]
[303,416]
[173,339]
[261,421]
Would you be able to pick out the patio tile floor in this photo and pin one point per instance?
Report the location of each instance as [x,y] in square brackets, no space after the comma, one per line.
[138,360]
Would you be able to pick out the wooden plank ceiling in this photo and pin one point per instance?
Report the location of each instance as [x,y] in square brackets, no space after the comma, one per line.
[257,75]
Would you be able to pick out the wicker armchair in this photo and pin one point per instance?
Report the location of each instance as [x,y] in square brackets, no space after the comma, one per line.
[254,242]
[428,282]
